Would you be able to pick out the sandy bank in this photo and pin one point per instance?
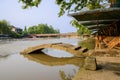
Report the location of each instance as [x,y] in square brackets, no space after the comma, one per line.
[108,62]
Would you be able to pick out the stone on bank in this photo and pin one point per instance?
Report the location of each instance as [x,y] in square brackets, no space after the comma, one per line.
[90,63]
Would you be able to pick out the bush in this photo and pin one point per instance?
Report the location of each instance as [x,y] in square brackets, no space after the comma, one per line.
[15,35]
[89,43]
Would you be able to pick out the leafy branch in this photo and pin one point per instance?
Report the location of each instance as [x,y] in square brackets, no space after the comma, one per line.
[67,5]
[80,28]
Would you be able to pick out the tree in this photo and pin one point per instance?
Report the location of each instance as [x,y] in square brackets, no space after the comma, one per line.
[31,30]
[25,32]
[4,27]
[30,3]
[42,29]
[80,28]
[69,5]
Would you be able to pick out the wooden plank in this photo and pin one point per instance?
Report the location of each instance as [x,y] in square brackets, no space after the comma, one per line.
[113,42]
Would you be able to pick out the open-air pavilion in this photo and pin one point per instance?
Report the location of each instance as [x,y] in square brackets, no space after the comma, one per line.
[105,23]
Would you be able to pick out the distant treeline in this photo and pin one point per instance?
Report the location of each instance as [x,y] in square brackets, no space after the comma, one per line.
[6,29]
[41,29]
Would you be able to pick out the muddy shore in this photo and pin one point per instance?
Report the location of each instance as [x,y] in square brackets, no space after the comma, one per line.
[108,66]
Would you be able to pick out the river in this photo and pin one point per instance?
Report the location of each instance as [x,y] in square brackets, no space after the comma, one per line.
[53,65]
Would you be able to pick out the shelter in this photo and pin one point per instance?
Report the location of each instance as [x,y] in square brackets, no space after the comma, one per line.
[104,22]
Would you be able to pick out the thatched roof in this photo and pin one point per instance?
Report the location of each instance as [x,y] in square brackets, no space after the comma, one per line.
[96,19]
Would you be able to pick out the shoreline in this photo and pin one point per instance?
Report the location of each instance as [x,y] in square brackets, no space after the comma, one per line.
[108,66]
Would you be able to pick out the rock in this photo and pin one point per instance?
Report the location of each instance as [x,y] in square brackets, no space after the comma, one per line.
[90,63]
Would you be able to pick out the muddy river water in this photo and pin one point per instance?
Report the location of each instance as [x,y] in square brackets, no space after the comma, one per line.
[49,65]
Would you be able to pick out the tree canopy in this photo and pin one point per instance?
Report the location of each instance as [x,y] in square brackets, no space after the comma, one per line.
[80,28]
[69,5]
[30,3]
[4,27]
[42,29]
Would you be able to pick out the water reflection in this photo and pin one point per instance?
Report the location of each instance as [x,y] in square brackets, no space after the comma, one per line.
[3,57]
[65,76]
[44,59]
[57,53]
[17,67]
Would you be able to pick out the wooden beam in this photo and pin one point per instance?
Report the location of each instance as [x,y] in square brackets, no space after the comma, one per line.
[98,14]
[97,26]
[94,22]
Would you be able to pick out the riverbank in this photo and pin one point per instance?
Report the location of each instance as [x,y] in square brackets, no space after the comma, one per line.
[108,62]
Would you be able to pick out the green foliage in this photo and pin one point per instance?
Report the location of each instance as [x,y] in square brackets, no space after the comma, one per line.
[4,27]
[77,5]
[70,5]
[15,35]
[30,3]
[80,28]
[89,43]
[42,29]
[94,5]
[25,32]
[67,5]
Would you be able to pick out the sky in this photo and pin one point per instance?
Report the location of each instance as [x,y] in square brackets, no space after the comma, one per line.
[46,13]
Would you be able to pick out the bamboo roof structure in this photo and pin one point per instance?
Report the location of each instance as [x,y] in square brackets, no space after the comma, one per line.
[97,19]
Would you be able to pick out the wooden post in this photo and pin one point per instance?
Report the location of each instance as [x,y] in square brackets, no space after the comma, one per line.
[98,42]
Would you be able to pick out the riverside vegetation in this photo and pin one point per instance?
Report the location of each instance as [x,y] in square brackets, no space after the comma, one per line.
[6,29]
